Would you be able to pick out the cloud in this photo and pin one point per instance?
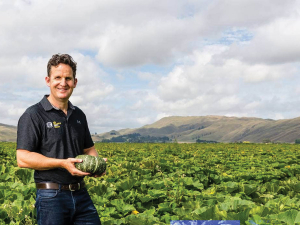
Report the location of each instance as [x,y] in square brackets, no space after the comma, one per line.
[273,43]
[23,71]
[254,13]
[229,86]
[141,60]
[156,42]
[126,34]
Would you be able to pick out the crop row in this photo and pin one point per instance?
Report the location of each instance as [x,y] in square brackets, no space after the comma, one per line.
[156,183]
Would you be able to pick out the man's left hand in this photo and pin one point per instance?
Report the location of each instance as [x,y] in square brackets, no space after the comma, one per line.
[105,159]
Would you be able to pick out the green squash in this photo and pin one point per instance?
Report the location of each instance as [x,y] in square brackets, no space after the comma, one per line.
[91,164]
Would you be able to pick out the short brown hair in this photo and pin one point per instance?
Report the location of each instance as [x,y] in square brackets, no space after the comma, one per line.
[62,58]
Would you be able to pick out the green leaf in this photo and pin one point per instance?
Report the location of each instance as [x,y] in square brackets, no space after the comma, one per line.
[256,219]
[99,189]
[125,185]
[182,212]
[157,193]
[166,207]
[146,198]
[248,188]
[2,169]
[296,187]
[231,187]
[25,175]
[242,216]
[203,213]
[290,217]
[121,206]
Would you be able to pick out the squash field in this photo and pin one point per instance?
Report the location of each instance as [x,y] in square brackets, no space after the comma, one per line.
[156,183]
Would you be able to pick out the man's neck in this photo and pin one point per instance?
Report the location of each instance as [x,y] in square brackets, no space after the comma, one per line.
[62,105]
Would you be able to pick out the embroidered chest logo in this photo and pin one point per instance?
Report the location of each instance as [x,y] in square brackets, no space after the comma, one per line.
[49,124]
[78,121]
[54,124]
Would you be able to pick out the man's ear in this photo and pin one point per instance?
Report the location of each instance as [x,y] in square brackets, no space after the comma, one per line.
[75,82]
[47,79]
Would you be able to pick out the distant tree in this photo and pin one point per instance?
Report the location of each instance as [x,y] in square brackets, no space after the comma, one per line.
[118,139]
[297,141]
[265,141]
[205,141]
[138,138]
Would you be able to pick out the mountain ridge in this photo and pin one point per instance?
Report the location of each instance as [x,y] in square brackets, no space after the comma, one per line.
[209,128]
[8,133]
[217,128]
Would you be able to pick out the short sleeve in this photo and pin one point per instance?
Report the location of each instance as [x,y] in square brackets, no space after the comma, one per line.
[29,133]
[88,142]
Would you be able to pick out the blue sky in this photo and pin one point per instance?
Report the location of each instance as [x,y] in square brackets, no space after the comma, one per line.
[139,61]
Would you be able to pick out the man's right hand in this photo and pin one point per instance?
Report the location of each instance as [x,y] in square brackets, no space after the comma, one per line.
[69,164]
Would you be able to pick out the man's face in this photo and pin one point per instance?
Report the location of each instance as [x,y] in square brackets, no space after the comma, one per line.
[61,82]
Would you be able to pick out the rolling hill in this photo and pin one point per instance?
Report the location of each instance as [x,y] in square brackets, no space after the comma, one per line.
[217,128]
[8,133]
[209,128]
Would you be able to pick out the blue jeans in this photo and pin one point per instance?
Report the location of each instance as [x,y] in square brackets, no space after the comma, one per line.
[61,207]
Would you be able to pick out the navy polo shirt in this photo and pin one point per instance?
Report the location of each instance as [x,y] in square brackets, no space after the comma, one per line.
[50,132]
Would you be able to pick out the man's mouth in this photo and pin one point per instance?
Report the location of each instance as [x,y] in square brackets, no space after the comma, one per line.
[62,89]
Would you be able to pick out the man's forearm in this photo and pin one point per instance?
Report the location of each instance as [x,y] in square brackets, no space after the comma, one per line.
[34,160]
[91,151]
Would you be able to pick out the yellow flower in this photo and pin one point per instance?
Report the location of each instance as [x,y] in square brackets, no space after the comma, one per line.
[135,212]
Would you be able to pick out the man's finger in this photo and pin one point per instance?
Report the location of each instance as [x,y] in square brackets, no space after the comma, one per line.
[80,173]
[75,160]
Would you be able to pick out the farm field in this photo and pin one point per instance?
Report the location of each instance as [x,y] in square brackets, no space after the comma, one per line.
[156,183]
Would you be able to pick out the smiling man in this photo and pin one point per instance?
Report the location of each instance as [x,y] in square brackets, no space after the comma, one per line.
[51,134]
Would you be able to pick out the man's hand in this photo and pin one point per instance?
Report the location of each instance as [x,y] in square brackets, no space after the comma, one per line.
[69,164]
[105,159]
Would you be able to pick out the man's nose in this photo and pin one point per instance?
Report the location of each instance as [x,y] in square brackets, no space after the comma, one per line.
[63,82]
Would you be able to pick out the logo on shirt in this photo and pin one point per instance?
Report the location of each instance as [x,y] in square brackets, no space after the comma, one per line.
[54,124]
[78,121]
[49,124]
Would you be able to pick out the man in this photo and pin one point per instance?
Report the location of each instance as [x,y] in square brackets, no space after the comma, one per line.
[51,134]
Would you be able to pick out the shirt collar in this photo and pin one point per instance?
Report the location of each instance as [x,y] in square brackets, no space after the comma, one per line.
[48,106]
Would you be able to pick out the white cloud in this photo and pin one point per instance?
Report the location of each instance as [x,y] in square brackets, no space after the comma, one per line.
[254,13]
[143,120]
[273,43]
[253,105]
[23,71]
[210,57]
[224,87]
[161,115]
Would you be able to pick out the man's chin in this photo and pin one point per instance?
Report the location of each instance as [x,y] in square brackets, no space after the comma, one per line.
[63,96]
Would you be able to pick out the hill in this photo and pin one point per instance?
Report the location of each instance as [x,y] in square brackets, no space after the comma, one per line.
[216,128]
[8,133]
[209,128]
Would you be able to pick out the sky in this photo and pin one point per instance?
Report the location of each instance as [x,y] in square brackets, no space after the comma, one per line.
[140,61]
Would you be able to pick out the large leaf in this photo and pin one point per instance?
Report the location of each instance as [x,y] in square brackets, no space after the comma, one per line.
[125,184]
[290,217]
